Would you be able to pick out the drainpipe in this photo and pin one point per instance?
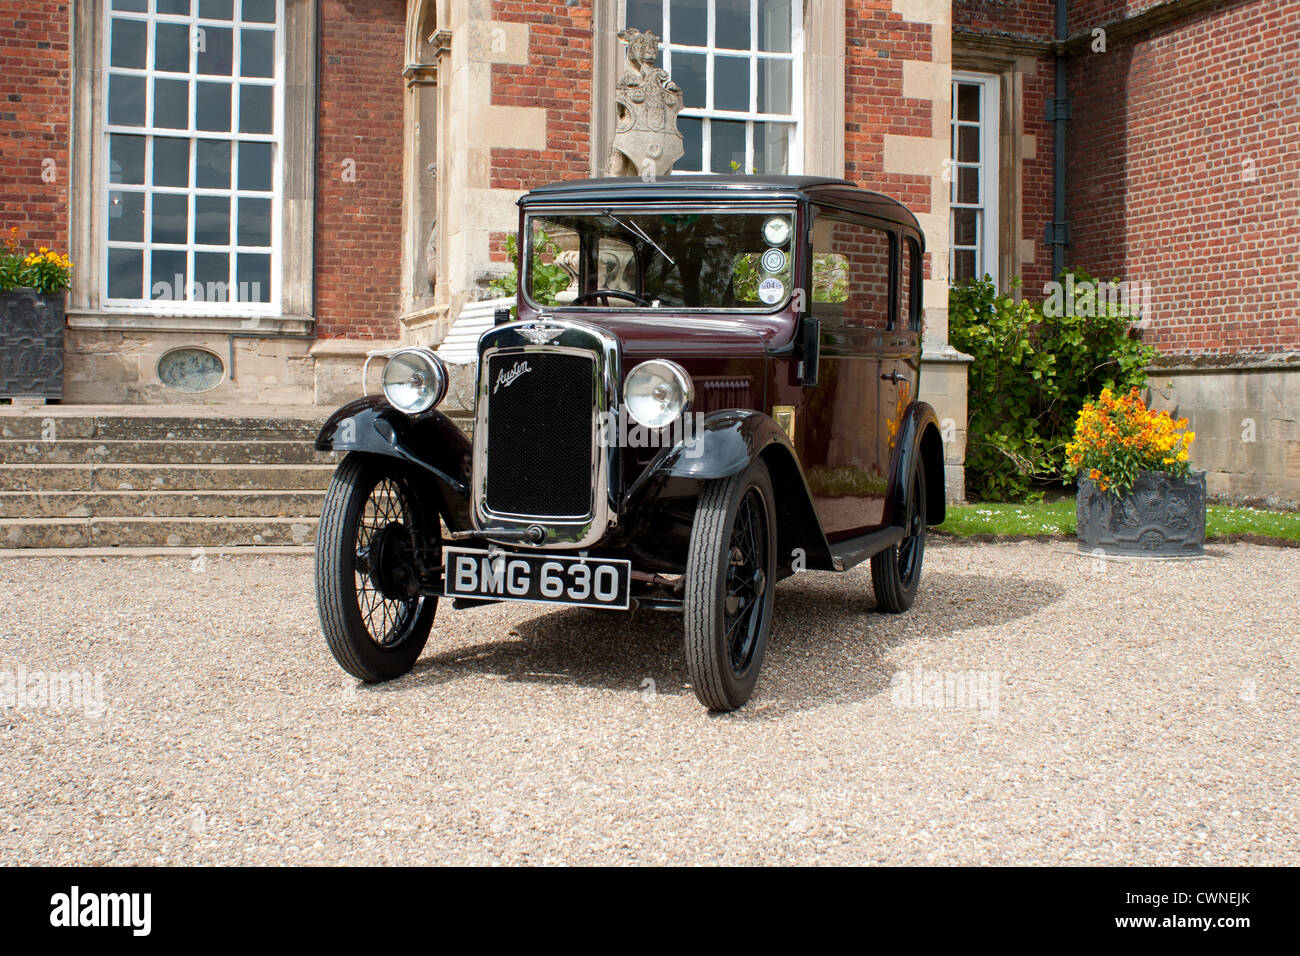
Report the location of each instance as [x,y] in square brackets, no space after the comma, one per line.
[1058,112]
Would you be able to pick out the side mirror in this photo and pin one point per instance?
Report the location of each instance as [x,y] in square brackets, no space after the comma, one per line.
[810,350]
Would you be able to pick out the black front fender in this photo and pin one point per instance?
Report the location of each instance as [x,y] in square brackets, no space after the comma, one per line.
[430,442]
[726,444]
[661,501]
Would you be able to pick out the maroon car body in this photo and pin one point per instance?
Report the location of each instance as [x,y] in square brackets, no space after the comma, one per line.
[776,320]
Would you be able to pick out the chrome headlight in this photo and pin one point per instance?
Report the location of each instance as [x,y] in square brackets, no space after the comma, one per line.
[415,380]
[657,392]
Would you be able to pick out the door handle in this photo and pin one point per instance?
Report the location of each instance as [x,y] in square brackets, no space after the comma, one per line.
[895,377]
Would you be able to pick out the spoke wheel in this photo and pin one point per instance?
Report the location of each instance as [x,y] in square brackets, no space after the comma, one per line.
[731,581]
[374,527]
[746,581]
[383,569]
[896,572]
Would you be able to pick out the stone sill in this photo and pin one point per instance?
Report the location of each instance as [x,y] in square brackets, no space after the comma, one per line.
[1238,362]
[102,320]
[944,354]
[349,348]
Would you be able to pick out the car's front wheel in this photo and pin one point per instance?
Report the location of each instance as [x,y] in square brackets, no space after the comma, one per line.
[375,532]
[730,586]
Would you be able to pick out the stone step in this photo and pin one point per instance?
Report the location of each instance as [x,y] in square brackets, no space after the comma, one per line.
[155,532]
[72,451]
[106,478]
[141,477]
[49,428]
[188,554]
[173,504]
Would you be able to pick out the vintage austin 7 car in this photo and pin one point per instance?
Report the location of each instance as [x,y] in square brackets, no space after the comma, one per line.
[723,395]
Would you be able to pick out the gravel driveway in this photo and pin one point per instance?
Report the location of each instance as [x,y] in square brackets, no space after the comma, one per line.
[1032,708]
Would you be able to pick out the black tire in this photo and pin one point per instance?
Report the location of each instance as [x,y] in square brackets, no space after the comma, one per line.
[896,572]
[363,569]
[729,596]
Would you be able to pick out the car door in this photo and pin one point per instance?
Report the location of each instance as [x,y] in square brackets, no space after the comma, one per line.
[850,416]
[898,349]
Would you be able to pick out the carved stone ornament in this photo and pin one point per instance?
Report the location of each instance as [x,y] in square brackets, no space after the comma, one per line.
[646,139]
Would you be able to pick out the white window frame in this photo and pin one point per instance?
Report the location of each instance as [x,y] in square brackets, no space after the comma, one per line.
[188,307]
[987,221]
[750,116]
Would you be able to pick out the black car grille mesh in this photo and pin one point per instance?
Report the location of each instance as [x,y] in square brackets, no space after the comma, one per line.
[539,434]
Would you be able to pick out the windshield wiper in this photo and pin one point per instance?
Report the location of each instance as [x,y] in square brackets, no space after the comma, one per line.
[636,230]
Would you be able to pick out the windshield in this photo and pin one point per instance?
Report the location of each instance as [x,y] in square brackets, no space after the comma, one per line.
[629,259]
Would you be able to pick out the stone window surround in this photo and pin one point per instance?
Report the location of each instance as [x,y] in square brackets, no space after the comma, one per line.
[1010,66]
[821,113]
[989,241]
[87,185]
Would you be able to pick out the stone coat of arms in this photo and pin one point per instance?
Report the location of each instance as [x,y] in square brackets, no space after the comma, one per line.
[646,139]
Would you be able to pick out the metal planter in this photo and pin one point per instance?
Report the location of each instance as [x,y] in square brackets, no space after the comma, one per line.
[1161,516]
[31,344]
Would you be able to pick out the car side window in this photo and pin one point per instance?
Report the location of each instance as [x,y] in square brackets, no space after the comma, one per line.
[910,285]
[851,262]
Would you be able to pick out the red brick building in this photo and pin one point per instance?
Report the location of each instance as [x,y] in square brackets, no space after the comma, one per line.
[283,185]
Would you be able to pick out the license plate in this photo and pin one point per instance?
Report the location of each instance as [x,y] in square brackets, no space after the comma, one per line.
[537,578]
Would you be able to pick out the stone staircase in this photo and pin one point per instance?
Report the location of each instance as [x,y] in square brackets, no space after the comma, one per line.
[137,477]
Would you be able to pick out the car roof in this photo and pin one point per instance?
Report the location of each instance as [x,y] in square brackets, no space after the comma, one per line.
[839,193]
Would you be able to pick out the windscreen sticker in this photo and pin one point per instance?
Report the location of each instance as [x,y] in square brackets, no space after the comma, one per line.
[771,291]
[773,260]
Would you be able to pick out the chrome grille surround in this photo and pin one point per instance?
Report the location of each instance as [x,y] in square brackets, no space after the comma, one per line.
[517,339]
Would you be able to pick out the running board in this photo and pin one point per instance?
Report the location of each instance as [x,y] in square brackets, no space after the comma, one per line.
[854,551]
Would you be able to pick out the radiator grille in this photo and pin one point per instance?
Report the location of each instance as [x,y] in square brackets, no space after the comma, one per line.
[539,434]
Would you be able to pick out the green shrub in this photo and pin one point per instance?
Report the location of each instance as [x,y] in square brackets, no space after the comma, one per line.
[549,278]
[1031,375]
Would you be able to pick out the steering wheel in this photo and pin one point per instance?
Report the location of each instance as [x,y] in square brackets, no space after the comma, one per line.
[617,293]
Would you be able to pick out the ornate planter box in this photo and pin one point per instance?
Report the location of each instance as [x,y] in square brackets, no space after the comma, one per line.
[1160,516]
[31,344]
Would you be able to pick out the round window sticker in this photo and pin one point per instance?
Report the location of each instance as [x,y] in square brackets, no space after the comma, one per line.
[771,291]
[777,231]
[773,260]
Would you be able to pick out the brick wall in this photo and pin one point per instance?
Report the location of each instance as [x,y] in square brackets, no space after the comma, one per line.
[1084,15]
[556,78]
[1036,178]
[1022,18]
[359,222]
[1183,171]
[878,42]
[35,107]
